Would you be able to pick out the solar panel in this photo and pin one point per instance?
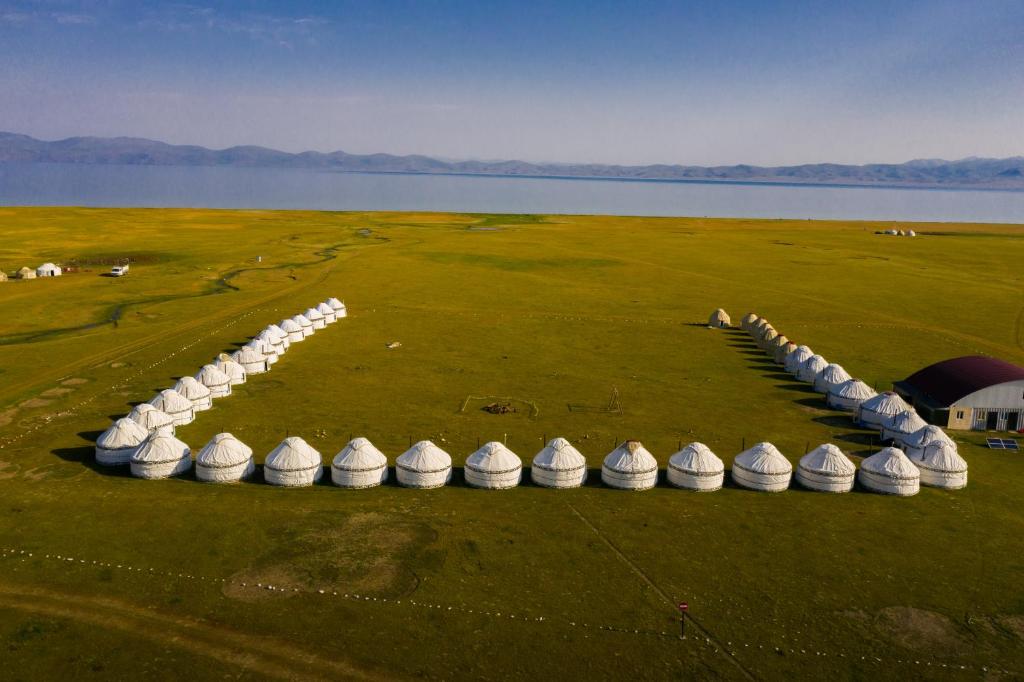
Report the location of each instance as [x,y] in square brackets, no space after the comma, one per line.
[1010,444]
[995,443]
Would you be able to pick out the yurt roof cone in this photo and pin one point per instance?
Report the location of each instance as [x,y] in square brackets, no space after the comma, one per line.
[797,358]
[304,324]
[827,469]
[493,466]
[215,380]
[849,395]
[293,463]
[251,360]
[161,456]
[695,467]
[630,467]
[914,444]
[176,405]
[763,468]
[424,465]
[224,459]
[359,465]
[293,329]
[783,351]
[152,419]
[748,321]
[877,412]
[942,466]
[559,465]
[315,317]
[903,425]
[196,392]
[236,373]
[831,377]
[118,443]
[890,472]
[810,368]
[264,348]
[340,310]
[719,319]
[281,334]
[327,311]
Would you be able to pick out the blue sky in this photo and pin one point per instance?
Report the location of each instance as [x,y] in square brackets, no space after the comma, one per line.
[724,81]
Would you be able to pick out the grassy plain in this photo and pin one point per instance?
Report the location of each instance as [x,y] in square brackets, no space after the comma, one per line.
[527,583]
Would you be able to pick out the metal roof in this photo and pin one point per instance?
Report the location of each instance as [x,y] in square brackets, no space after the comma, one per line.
[950,380]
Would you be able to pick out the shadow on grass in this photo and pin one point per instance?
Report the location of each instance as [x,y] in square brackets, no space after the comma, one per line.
[796,388]
[817,403]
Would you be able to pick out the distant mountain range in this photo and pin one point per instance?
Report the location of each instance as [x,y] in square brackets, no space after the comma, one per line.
[975,173]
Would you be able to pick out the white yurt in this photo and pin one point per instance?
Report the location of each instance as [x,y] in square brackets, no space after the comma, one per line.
[270,343]
[118,443]
[224,459]
[304,324]
[424,465]
[293,463]
[914,444]
[340,310]
[235,372]
[251,360]
[176,405]
[293,330]
[315,318]
[559,465]
[493,466]
[719,319]
[359,465]
[748,321]
[849,395]
[161,456]
[826,468]
[48,270]
[152,419]
[281,334]
[910,233]
[903,425]
[767,338]
[264,348]
[809,370]
[758,326]
[775,344]
[630,467]
[797,358]
[25,273]
[196,392]
[215,380]
[889,471]
[782,352]
[876,412]
[695,467]
[831,377]
[762,467]
[327,311]
[942,466]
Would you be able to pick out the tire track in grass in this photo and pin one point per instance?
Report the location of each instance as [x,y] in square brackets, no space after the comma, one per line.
[660,592]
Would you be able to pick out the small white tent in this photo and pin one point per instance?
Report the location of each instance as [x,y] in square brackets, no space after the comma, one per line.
[235,372]
[831,377]
[876,412]
[783,352]
[914,444]
[766,338]
[493,466]
[48,270]
[118,443]
[630,467]
[304,324]
[196,392]
[264,348]
[176,405]
[849,395]
[25,273]
[748,321]
[315,318]
[424,465]
[719,319]
[215,380]
[224,459]
[327,311]
[340,310]
[902,426]
[797,358]
[280,334]
[762,467]
[559,465]
[251,360]
[827,469]
[942,466]
[359,465]
[810,368]
[293,329]
[152,419]
[889,471]
[910,233]
[161,456]
[696,467]
[293,463]
[775,344]
[270,344]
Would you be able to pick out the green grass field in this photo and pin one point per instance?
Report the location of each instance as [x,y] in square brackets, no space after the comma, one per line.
[102,575]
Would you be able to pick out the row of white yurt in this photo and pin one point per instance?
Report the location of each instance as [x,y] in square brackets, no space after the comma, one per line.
[831,377]
[849,395]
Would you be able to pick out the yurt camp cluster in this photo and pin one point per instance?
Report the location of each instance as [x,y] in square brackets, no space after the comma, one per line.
[920,453]
[145,438]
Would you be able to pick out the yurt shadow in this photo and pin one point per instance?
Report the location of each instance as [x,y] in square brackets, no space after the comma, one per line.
[779,375]
[835,421]
[796,387]
[593,479]
[817,402]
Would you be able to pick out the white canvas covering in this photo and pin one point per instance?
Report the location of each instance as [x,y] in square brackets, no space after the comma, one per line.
[424,465]
[359,465]
[831,377]
[719,318]
[890,472]
[293,463]
[849,395]
[763,468]
[902,426]
[315,318]
[152,419]
[767,338]
[251,360]
[215,380]
[876,412]
[25,273]
[264,348]
[48,270]
[236,373]
[559,465]
[797,358]
[119,442]
[304,324]
[493,466]
[910,233]
[196,392]
[176,405]
[281,334]
[161,456]
[340,310]
[748,321]
[826,468]
[327,311]
[914,444]
[630,467]
[783,352]
[293,329]
[696,467]
[810,368]
[776,343]
[272,343]
[942,466]
[224,459]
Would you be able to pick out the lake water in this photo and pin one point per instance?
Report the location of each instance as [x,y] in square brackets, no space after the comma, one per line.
[175,186]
